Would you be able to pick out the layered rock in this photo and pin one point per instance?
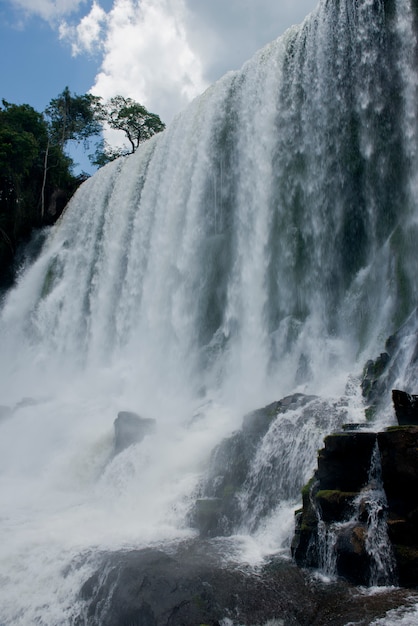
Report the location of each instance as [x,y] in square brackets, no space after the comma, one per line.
[361,522]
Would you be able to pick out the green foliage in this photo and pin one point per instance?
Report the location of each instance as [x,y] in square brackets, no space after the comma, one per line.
[36,179]
[132,118]
[72,117]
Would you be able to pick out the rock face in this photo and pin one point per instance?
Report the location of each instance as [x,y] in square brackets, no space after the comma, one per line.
[399,357]
[399,452]
[217,509]
[360,511]
[191,584]
[131,428]
[406,408]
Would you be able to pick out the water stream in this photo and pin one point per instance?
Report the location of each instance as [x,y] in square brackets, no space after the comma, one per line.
[263,244]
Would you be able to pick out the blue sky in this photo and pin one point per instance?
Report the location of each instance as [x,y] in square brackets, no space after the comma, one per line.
[161,53]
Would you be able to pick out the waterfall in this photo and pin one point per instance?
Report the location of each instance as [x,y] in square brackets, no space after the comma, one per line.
[263,244]
[366,524]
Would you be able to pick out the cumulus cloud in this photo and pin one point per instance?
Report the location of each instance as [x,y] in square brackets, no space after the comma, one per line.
[163,53]
[147,56]
[226,34]
[88,34]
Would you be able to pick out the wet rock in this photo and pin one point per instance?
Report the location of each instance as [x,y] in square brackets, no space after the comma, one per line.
[131,428]
[208,516]
[193,583]
[229,468]
[344,462]
[372,377]
[406,408]
[353,561]
[380,375]
[399,457]
[335,505]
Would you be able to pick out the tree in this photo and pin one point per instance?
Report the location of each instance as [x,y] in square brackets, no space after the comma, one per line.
[26,154]
[72,117]
[132,118]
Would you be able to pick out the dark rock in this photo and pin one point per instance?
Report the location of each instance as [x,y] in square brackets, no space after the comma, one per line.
[229,468]
[191,584]
[380,375]
[390,503]
[372,377]
[406,408]
[131,428]
[335,505]
[399,458]
[407,564]
[351,427]
[353,562]
[344,462]
[208,516]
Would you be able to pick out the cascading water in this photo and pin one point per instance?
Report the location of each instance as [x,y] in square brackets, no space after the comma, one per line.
[369,514]
[264,243]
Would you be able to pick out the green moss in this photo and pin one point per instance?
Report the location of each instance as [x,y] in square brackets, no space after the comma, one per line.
[330,494]
[370,413]
[307,488]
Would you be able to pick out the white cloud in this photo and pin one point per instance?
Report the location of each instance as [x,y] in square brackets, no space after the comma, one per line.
[163,53]
[148,58]
[88,34]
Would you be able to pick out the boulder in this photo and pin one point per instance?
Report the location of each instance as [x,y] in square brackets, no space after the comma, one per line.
[353,561]
[131,428]
[339,500]
[399,458]
[196,582]
[406,408]
[344,462]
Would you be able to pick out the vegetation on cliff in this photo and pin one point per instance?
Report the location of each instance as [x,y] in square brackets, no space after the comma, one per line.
[36,172]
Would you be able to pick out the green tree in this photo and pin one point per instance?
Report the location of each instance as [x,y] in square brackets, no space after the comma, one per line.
[24,188]
[72,117]
[132,118]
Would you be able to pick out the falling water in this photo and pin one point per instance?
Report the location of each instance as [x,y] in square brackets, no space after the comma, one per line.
[264,243]
[368,509]
[378,546]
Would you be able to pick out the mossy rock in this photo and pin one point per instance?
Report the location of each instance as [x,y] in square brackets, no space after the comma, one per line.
[335,505]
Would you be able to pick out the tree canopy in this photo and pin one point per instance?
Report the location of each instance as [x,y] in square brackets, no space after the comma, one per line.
[36,172]
[72,117]
[124,114]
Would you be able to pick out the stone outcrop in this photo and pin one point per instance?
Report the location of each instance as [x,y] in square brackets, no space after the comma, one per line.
[217,507]
[193,583]
[348,503]
[131,428]
[406,408]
